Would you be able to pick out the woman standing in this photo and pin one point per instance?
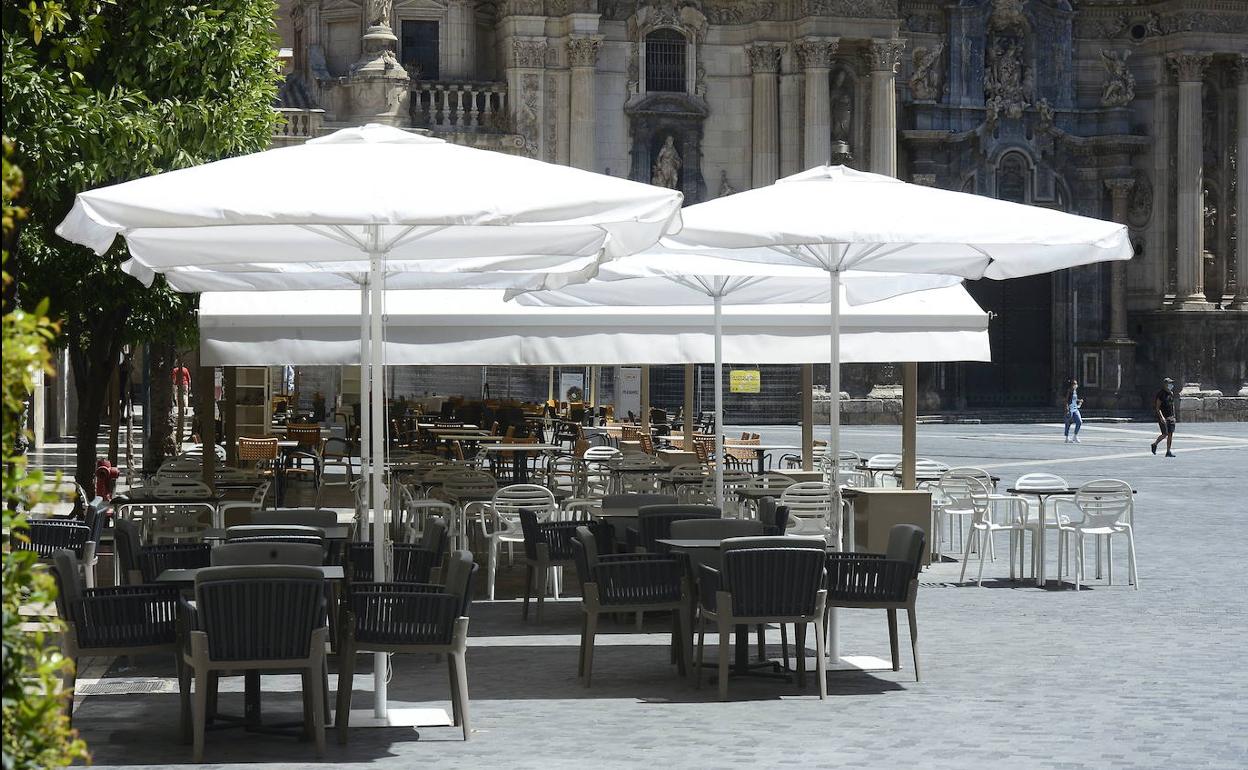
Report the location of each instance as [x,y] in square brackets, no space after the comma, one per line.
[1073,402]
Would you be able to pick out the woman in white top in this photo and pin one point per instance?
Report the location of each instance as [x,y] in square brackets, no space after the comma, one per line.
[1073,402]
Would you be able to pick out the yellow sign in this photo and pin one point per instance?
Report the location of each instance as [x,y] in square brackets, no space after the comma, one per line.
[744,381]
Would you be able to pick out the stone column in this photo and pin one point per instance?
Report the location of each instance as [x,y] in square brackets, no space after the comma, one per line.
[1189,71]
[1119,193]
[884,57]
[1241,242]
[461,40]
[582,59]
[765,64]
[790,123]
[815,55]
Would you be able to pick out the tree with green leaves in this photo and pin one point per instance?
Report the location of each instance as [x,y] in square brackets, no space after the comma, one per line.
[36,728]
[98,92]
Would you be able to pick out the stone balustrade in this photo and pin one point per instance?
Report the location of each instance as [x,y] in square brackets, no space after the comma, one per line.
[459,106]
[297,125]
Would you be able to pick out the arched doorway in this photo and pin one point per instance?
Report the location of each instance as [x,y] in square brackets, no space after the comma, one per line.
[1021,331]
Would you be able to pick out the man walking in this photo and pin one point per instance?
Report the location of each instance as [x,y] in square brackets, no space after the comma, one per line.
[1163,409]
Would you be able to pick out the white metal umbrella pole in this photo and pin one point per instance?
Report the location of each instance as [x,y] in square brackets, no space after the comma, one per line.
[365,448]
[834,440]
[377,406]
[719,402]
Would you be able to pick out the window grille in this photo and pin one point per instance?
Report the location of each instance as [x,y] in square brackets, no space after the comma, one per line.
[665,61]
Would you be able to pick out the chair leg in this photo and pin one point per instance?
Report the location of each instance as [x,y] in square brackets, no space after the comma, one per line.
[1078,560]
[319,696]
[725,636]
[1131,567]
[784,644]
[966,555]
[199,712]
[1109,557]
[580,662]
[184,697]
[799,641]
[986,534]
[591,627]
[491,567]
[821,663]
[346,673]
[678,641]
[528,591]
[892,639]
[762,642]
[454,682]
[461,676]
[914,639]
[542,573]
[701,649]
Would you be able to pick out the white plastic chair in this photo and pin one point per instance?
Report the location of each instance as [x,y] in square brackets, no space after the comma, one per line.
[984,525]
[1108,509]
[254,503]
[466,490]
[683,476]
[773,483]
[500,520]
[812,506]
[880,468]
[951,502]
[1053,517]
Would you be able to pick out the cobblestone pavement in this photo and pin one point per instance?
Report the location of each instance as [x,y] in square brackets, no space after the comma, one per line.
[1013,676]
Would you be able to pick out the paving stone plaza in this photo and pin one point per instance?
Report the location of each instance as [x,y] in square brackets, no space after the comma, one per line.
[1013,676]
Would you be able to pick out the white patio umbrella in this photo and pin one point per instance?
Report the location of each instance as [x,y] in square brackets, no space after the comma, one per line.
[364,206]
[836,219]
[659,278]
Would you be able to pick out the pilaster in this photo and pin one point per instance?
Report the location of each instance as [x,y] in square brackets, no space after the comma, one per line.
[582,59]
[765,66]
[1241,244]
[883,57]
[1189,71]
[815,56]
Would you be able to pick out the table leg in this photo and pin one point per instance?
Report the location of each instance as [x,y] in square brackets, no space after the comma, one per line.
[742,663]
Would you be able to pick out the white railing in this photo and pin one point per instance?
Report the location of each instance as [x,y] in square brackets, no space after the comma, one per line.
[298,123]
[459,106]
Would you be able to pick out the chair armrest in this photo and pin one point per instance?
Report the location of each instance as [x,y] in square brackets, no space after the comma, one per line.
[708,586]
[633,581]
[401,614]
[859,578]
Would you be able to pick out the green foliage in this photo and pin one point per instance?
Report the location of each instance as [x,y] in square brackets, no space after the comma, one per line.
[36,730]
[103,91]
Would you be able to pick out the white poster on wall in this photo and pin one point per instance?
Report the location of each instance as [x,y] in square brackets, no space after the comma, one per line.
[628,393]
[571,386]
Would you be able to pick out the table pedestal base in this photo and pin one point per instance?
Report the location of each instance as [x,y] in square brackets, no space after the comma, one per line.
[401,717]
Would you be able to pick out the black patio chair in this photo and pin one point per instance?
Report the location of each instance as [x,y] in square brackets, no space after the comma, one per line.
[549,544]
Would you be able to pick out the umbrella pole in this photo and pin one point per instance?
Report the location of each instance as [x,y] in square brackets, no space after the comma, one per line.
[834,440]
[719,403]
[365,390]
[378,407]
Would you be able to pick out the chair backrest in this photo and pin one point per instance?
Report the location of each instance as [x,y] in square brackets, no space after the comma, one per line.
[46,536]
[808,499]
[127,544]
[307,517]
[691,473]
[408,563]
[715,529]
[883,462]
[772,581]
[155,559]
[470,483]
[68,582]
[173,488]
[654,522]
[252,553]
[252,449]
[279,605]
[273,530]
[307,434]
[458,578]
[336,448]
[906,543]
[510,500]
[1041,481]
[584,554]
[433,539]
[769,481]
[636,500]
[1105,502]
[955,485]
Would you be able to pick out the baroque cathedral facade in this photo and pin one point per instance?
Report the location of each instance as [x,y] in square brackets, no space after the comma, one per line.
[1131,110]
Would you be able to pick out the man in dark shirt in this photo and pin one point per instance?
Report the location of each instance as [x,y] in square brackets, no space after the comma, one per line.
[1163,410]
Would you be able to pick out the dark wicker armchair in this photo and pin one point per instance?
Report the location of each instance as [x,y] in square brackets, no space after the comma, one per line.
[410,564]
[654,522]
[549,544]
[764,584]
[888,581]
[635,582]
[121,620]
[411,618]
[141,564]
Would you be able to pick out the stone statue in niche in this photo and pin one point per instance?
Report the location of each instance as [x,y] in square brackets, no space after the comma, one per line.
[926,79]
[666,170]
[725,187]
[842,107]
[1007,81]
[1119,87]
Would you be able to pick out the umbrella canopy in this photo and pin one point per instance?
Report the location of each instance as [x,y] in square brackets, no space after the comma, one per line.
[836,218]
[476,327]
[325,206]
[359,207]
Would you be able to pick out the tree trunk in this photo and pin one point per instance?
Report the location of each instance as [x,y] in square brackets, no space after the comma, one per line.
[114,416]
[92,367]
[158,445]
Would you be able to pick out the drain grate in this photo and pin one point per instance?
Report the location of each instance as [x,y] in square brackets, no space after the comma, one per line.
[128,687]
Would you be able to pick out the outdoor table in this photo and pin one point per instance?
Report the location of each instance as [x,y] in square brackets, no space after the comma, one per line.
[519,456]
[800,475]
[437,425]
[1043,495]
[762,449]
[331,572]
[617,474]
[747,493]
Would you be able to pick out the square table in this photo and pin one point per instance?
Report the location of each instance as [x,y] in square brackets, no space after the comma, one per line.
[332,572]
[762,450]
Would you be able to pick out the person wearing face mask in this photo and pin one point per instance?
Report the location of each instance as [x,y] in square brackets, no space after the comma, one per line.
[1163,408]
[1073,403]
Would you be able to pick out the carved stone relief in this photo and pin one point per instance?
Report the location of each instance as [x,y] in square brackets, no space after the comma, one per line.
[1118,88]
[927,75]
[764,57]
[526,120]
[1140,203]
[856,9]
[842,107]
[526,52]
[583,51]
[738,11]
[816,52]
